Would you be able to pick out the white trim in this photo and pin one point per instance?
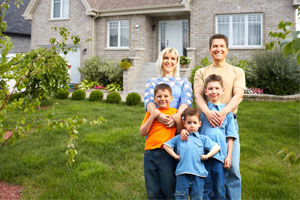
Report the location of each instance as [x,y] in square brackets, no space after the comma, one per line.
[60,10]
[30,9]
[119,35]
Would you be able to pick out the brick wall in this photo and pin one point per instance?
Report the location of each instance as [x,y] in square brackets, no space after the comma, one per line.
[203,13]
[77,24]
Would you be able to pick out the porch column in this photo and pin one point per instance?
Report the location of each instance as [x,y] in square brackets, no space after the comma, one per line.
[191,54]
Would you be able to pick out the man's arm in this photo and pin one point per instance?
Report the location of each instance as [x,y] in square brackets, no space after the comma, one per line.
[237,98]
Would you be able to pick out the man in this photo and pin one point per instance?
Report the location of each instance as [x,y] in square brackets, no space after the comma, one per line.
[234,84]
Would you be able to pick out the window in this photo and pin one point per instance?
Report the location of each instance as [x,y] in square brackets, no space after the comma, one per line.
[60,9]
[118,34]
[241,30]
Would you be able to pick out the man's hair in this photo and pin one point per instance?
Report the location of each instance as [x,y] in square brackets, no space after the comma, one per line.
[189,112]
[162,86]
[213,78]
[218,36]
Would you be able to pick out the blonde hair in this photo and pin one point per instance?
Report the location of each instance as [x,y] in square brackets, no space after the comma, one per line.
[160,61]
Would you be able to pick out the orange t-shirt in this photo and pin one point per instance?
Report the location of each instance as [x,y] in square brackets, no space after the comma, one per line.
[159,133]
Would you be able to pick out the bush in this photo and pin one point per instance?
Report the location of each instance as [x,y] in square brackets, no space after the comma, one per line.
[113,97]
[96,95]
[274,73]
[101,71]
[133,99]
[204,62]
[125,63]
[78,95]
[62,93]
[184,60]
[16,96]
[115,86]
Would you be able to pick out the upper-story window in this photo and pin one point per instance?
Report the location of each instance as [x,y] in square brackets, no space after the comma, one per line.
[60,9]
[118,34]
[242,30]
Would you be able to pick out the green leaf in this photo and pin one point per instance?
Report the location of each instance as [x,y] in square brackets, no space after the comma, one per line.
[298,58]
[288,49]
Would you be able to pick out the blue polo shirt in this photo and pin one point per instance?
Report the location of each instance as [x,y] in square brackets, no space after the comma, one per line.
[217,134]
[190,152]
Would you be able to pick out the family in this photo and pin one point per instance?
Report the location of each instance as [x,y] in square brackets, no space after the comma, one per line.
[193,153]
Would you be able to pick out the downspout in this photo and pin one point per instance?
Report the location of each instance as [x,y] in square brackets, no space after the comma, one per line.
[94,34]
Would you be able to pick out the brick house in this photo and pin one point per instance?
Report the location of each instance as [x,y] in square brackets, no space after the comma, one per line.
[140,29]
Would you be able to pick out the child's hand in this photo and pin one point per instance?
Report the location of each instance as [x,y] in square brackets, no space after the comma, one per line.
[204,157]
[227,163]
[177,157]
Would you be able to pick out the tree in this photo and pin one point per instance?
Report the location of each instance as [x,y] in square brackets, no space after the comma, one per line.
[38,75]
[287,38]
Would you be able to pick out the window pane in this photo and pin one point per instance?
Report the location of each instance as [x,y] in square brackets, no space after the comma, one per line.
[163,35]
[185,25]
[238,30]
[124,28]
[56,8]
[113,34]
[254,29]
[223,25]
[65,8]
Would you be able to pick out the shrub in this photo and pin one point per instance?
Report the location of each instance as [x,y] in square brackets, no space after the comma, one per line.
[133,99]
[274,73]
[101,71]
[125,63]
[16,96]
[113,97]
[204,62]
[96,95]
[184,60]
[62,93]
[78,95]
[115,86]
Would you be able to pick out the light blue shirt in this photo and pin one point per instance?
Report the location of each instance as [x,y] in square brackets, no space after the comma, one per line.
[190,152]
[181,91]
[217,134]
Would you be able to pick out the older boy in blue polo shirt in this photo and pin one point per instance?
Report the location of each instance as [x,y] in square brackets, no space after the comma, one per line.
[214,183]
[190,171]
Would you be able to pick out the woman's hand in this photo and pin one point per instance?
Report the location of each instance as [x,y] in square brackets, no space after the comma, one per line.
[166,120]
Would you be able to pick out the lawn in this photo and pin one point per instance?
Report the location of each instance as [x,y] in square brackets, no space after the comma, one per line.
[109,164]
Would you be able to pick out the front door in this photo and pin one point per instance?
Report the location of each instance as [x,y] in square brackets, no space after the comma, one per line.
[171,34]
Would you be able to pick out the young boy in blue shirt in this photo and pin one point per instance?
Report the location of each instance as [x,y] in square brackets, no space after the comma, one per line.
[190,171]
[214,183]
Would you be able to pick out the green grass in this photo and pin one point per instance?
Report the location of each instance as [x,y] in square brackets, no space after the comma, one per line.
[109,164]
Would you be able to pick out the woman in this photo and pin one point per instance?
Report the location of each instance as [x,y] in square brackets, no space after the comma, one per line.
[168,66]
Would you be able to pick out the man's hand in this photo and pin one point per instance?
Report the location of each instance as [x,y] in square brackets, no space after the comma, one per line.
[213,117]
[227,163]
[184,134]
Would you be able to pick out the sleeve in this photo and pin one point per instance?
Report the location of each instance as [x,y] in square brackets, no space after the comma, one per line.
[186,93]
[230,129]
[208,143]
[172,142]
[240,80]
[149,92]
[199,78]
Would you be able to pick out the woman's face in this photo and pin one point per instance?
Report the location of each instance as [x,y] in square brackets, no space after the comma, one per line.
[169,62]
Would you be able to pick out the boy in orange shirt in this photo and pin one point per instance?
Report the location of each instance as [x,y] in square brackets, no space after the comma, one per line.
[159,166]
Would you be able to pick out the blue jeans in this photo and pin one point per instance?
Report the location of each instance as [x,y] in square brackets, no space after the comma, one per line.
[214,183]
[189,184]
[159,171]
[233,180]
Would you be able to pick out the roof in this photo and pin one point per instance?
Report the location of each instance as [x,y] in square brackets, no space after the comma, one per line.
[15,22]
[129,4]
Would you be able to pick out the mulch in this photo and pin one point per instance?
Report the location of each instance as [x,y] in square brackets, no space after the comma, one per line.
[10,192]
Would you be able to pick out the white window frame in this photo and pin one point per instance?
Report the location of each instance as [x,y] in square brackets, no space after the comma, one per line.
[246,31]
[60,10]
[119,35]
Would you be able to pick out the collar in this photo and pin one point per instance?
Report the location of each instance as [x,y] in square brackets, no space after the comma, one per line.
[196,134]
[218,107]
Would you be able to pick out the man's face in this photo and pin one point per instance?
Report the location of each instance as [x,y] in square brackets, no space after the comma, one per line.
[218,50]
[192,123]
[163,98]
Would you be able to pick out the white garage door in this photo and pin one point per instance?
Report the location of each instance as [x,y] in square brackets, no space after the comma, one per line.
[73,59]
